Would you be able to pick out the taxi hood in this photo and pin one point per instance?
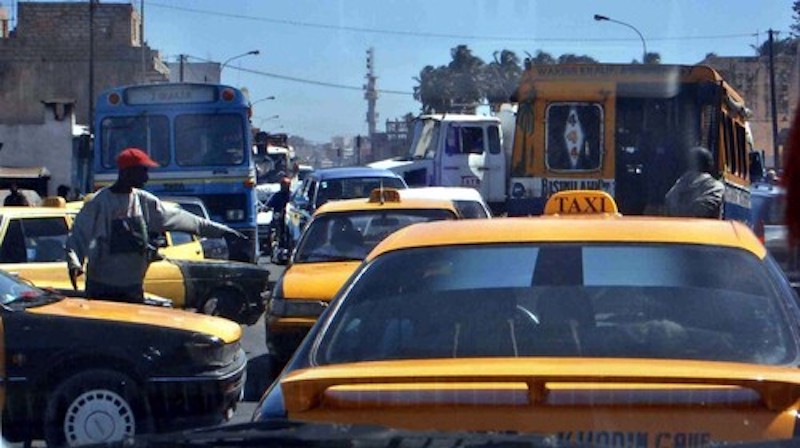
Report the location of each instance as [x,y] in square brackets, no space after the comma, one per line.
[319,281]
[777,387]
[226,330]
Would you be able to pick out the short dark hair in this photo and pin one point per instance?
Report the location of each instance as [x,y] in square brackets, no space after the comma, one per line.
[701,159]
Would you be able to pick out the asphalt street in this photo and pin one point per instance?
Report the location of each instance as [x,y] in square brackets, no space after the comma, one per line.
[260,370]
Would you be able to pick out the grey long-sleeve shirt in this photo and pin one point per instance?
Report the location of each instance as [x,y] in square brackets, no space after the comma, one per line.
[93,231]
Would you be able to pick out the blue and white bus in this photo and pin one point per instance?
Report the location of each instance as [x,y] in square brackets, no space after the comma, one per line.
[200,136]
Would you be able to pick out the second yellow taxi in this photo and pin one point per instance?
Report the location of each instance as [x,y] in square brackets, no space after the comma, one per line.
[335,242]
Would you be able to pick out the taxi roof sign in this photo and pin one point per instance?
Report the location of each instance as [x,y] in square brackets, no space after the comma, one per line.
[381,195]
[581,202]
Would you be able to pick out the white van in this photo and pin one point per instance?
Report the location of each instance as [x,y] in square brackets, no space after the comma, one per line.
[467,201]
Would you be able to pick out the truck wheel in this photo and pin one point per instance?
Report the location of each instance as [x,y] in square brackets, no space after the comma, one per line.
[94,407]
[223,303]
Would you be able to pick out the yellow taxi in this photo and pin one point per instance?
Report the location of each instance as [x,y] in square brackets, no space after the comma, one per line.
[585,325]
[335,242]
[32,247]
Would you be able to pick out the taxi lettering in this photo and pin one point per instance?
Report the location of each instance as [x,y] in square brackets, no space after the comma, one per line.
[640,439]
[582,205]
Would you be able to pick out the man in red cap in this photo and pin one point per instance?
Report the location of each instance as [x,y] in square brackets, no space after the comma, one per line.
[112,232]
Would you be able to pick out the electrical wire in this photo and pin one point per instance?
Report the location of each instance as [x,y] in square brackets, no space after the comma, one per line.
[303,80]
[422,34]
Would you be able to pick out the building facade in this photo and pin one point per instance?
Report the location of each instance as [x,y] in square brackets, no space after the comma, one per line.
[45,60]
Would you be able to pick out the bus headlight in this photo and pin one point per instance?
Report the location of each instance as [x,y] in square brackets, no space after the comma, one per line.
[234,214]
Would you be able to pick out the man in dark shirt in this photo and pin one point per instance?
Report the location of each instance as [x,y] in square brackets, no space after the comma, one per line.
[15,198]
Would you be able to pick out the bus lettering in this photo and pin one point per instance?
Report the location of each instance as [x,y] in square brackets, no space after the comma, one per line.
[636,439]
[551,186]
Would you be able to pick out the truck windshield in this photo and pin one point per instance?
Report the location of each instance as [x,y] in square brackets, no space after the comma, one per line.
[209,139]
[147,132]
[426,134]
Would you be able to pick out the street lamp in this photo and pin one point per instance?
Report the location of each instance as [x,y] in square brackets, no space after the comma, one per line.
[601,18]
[274,117]
[271,97]
[249,53]
[275,129]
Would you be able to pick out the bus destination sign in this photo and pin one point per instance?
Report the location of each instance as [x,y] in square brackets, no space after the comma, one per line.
[171,94]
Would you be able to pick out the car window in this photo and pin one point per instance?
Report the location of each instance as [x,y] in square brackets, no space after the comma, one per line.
[602,301]
[351,236]
[352,188]
[470,209]
[34,240]
[179,238]
[464,140]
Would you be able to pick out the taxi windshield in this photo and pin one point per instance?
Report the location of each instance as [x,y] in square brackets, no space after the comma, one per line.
[351,236]
[562,300]
[353,188]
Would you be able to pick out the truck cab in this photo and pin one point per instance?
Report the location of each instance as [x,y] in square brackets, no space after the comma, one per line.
[455,151]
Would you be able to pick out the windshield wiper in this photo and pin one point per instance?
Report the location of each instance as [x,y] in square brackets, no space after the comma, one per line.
[296,434]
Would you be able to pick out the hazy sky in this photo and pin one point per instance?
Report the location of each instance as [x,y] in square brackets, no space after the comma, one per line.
[682,31]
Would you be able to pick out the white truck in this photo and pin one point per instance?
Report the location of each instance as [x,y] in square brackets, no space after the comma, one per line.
[454,150]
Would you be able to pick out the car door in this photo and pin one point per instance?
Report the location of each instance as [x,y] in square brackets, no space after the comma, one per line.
[463,161]
[300,209]
[493,187]
[32,247]
[182,246]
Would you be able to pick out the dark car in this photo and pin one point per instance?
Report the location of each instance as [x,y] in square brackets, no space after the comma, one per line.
[331,184]
[213,248]
[81,372]
[768,208]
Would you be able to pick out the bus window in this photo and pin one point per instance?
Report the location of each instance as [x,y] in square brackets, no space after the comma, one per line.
[730,146]
[741,149]
[147,132]
[574,136]
[209,140]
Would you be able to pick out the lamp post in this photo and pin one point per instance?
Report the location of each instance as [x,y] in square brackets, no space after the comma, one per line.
[249,53]
[271,97]
[601,18]
[275,129]
[274,117]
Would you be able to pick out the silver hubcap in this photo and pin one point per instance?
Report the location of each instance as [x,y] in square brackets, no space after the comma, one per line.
[98,416]
[210,307]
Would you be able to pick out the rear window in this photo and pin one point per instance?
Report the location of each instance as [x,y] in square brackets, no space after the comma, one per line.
[595,301]
[353,188]
[471,209]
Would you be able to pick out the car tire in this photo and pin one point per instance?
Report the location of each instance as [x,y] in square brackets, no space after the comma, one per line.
[94,407]
[223,303]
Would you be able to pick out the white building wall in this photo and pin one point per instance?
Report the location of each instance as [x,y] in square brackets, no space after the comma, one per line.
[48,144]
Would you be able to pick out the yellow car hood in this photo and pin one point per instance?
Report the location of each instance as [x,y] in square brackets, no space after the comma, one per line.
[224,329]
[319,281]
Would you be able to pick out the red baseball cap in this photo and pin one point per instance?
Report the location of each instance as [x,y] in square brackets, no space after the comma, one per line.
[131,157]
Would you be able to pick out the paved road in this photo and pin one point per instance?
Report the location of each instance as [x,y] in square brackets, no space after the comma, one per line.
[260,370]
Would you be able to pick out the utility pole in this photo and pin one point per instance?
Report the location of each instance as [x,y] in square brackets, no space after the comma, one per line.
[92,5]
[181,59]
[141,41]
[776,155]
[371,93]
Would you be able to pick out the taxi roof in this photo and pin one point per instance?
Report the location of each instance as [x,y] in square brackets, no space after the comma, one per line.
[362,204]
[574,229]
[27,211]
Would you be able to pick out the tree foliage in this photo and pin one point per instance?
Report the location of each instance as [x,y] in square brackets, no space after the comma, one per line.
[467,79]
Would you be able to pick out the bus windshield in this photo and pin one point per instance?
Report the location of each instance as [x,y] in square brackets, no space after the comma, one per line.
[209,139]
[147,132]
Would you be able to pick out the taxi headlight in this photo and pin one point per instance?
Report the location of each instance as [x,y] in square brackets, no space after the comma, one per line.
[234,214]
[279,307]
[211,350]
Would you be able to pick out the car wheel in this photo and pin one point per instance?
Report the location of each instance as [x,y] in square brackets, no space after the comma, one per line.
[93,407]
[223,303]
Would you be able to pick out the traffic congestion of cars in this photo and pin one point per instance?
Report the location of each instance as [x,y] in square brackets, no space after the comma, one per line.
[556,251]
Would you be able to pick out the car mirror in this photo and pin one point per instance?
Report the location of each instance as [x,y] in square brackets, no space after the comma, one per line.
[160,241]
